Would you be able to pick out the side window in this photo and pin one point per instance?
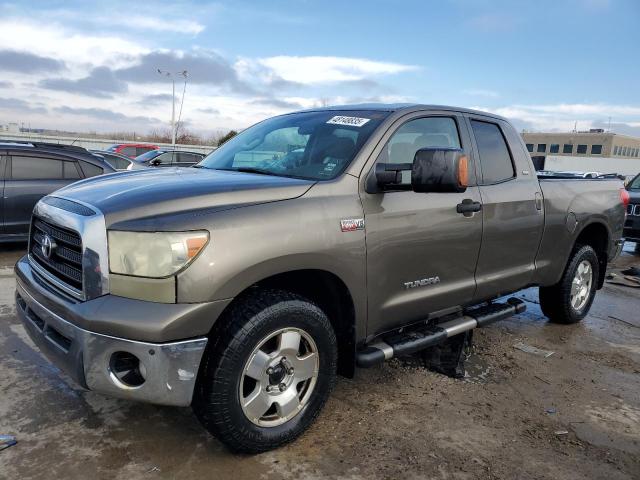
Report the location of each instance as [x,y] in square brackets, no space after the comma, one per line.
[70,170]
[35,168]
[164,159]
[187,158]
[530,147]
[91,170]
[417,134]
[141,150]
[495,157]
[129,151]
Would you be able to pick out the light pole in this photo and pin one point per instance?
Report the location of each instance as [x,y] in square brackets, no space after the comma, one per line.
[170,75]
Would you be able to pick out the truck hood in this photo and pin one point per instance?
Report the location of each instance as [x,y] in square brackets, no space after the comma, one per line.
[158,192]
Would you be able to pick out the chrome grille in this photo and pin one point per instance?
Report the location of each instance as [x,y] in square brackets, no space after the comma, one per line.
[65,260]
[633,209]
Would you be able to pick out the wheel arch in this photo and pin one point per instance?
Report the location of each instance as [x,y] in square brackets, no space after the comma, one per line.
[330,293]
[597,236]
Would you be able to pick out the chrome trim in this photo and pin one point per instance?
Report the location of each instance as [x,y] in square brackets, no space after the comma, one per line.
[454,327]
[55,281]
[385,347]
[633,209]
[171,368]
[93,232]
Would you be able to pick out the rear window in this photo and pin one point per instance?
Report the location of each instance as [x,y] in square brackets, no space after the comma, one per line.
[129,151]
[35,168]
[91,170]
[141,150]
[495,157]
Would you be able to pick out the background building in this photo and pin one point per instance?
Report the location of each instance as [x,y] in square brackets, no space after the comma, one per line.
[595,150]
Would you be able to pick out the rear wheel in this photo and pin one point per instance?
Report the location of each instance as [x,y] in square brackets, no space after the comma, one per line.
[569,301]
[267,373]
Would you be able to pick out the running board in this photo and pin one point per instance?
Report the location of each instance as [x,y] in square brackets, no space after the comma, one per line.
[407,343]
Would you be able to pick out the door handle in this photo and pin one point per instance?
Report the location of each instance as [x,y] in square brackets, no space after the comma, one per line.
[468,207]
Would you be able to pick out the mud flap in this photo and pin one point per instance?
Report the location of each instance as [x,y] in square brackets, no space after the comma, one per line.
[448,358]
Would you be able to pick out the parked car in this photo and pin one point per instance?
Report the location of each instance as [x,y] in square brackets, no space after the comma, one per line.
[131,150]
[632,223]
[29,171]
[243,288]
[117,161]
[169,158]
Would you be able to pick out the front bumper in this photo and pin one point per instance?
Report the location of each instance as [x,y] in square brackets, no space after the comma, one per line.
[171,368]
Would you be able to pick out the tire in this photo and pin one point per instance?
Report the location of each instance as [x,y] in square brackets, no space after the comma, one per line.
[556,301]
[226,390]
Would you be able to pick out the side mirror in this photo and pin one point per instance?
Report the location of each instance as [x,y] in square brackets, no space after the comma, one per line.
[155,162]
[440,170]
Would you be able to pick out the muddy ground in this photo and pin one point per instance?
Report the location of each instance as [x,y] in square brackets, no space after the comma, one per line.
[573,415]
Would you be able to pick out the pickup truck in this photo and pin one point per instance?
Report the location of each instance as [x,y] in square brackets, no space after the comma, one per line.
[309,244]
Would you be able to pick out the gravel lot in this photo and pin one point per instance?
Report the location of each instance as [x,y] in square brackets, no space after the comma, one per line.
[573,415]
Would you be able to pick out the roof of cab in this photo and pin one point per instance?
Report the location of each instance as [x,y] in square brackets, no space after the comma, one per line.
[398,107]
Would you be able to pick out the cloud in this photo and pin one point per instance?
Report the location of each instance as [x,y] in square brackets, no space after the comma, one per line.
[209,110]
[143,22]
[51,40]
[107,115]
[100,83]
[204,67]
[478,92]
[565,116]
[15,104]
[4,84]
[318,70]
[278,103]
[25,62]
[155,99]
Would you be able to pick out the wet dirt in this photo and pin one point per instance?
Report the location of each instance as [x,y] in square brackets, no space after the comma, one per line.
[504,420]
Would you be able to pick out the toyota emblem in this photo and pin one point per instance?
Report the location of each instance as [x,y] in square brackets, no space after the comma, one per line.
[48,246]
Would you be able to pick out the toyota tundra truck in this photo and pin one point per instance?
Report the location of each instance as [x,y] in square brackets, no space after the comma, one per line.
[310,244]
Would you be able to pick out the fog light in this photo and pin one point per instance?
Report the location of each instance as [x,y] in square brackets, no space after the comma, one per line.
[126,370]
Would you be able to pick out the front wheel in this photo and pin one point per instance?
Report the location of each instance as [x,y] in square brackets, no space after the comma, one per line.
[569,301]
[267,373]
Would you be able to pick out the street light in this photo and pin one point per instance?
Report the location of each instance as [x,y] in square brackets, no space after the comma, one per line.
[170,75]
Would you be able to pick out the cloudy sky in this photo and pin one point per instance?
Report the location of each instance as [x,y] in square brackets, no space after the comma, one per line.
[545,64]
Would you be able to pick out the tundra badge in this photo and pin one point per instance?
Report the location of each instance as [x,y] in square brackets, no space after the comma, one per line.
[422,283]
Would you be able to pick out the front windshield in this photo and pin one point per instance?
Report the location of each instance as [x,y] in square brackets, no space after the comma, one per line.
[635,184]
[308,145]
[150,155]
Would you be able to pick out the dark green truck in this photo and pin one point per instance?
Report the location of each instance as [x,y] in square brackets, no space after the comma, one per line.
[309,244]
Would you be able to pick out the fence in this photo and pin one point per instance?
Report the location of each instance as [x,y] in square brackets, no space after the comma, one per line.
[92,143]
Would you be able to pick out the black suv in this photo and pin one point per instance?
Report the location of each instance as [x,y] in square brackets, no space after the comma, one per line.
[29,171]
[632,224]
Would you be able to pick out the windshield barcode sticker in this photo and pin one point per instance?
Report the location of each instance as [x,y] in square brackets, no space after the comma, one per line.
[351,121]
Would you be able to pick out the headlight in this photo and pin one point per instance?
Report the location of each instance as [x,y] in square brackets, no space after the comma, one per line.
[153,254]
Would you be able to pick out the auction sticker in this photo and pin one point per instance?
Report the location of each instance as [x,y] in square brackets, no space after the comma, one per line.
[351,121]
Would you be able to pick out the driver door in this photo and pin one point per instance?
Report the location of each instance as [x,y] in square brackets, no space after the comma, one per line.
[421,253]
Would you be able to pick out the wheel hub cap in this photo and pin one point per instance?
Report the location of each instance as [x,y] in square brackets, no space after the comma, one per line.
[279,377]
[581,285]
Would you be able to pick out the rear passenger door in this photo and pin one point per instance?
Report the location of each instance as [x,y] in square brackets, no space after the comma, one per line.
[512,209]
[29,178]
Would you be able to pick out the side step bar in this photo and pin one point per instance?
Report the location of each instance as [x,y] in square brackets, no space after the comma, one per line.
[410,342]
